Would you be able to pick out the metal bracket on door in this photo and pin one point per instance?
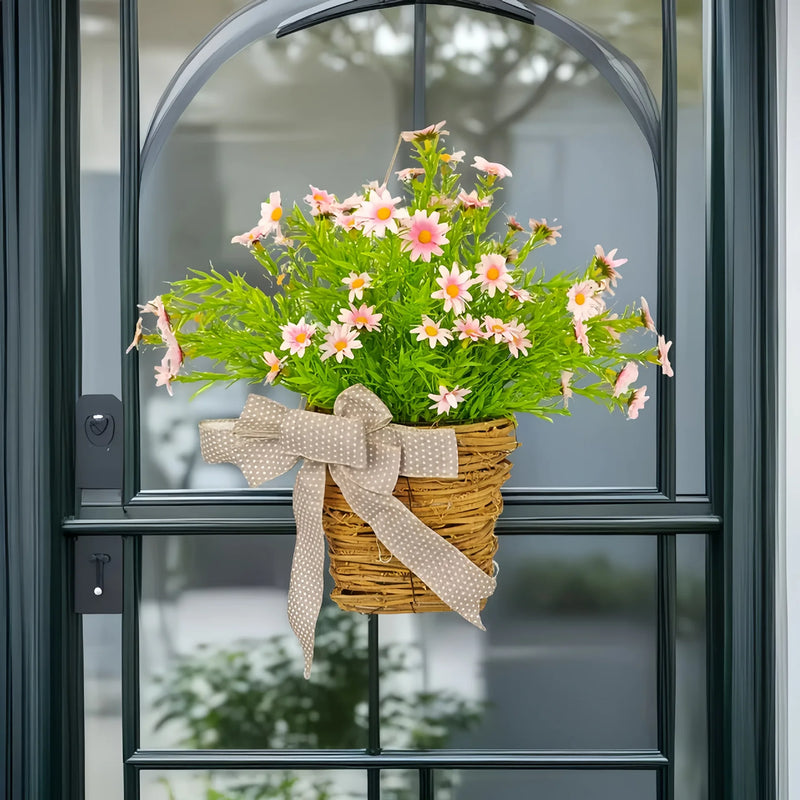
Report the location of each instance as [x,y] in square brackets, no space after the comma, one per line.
[98,575]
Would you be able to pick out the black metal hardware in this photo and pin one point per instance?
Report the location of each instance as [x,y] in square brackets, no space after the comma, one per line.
[98,575]
[98,442]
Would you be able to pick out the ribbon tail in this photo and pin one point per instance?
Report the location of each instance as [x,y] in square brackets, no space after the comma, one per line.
[308,561]
[443,568]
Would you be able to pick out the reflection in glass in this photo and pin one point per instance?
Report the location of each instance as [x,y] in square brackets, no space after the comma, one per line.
[321,106]
[568,659]
[399,784]
[516,94]
[254,785]
[545,784]
[102,706]
[220,667]
[632,26]
[691,724]
[690,334]
[99,188]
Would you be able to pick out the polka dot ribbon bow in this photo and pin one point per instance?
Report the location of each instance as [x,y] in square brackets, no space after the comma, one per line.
[365,455]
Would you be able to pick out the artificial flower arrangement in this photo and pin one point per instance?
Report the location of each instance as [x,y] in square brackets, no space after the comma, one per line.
[419,303]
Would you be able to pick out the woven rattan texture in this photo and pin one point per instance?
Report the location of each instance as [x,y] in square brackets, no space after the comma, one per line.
[463,511]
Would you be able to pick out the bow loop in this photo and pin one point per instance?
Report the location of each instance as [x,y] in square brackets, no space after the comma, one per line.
[358,402]
[325,438]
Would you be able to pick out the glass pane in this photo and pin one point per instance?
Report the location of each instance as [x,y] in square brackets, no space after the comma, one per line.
[264,121]
[691,724]
[102,706]
[220,667]
[569,140]
[545,784]
[568,659]
[399,784]
[168,32]
[632,26]
[690,336]
[100,187]
[252,785]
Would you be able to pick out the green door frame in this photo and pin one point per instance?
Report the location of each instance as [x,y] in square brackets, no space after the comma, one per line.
[40,671]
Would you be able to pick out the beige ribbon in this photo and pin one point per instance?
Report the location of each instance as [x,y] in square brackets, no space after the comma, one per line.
[365,455]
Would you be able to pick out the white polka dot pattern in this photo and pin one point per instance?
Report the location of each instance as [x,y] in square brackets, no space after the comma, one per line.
[365,455]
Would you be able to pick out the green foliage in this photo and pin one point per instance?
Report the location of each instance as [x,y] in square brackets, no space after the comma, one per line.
[596,586]
[225,318]
[253,695]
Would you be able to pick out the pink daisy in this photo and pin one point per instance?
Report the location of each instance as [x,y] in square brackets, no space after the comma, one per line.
[606,265]
[547,233]
[340,341]
[637,401]
[447,400]
[566,390]
[164,376]
[495,327]
[297,336]
[472,200]
[454,288]
[363,317]
[356,283]
[271,214]
[321,202]
[425,133]
[423,234]
[456,157]
[274,363]
[625,377]
[378,213]
[523,295]
[612,331]
[647,320]
[433,332]
[346,221]
[581,335]
[469,328]
[137,336]
[249,238]
[517,340]
[663,358]
[156,306]
[494,276]
[409,173]
[491,167]
[441,201]
[584,301]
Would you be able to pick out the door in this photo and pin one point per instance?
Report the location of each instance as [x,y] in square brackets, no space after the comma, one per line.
[618,644]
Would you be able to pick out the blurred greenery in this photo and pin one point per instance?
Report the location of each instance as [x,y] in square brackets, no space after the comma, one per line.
[253,695]
[597,586]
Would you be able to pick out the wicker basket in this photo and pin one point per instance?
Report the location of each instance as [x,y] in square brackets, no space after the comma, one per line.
[462,510]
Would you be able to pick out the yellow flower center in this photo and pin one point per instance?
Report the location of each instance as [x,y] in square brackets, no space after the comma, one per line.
[275,367]
[318,197]
[361,320]
[431,330]
[276,214]
[384,213]
[340,345]
[424,237]
[492,273]
[445,157]
[498,328]
[453,290]
[301,337]
[357,283]
[580,298]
